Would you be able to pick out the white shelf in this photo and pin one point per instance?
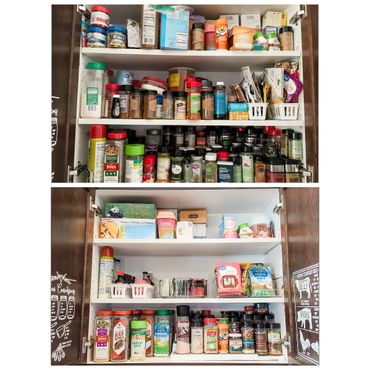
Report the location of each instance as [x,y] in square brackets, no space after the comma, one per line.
[192,247]
[167,122]
[162,60]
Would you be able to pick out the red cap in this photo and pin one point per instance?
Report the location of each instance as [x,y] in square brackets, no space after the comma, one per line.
[120,273]
[106,252]
[98,8]
[223,155]
[149,159]
[148,312]
[136,84]
[206,312]
[200,133]
[98,131]
[136,312]
[248,308]
[192,82]
[122,312]
[276,132]
[268,129]
[117,135]
[240,129]
[110,72]
[113,87]
[156,80]
[209,320]
[104,313]
[209,27]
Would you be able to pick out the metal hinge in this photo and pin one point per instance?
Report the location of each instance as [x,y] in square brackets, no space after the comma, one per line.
[299,15]
[279,206]
[87,343]
[286,343]
[94,207]
[307,173]
[83,10]
[75,171]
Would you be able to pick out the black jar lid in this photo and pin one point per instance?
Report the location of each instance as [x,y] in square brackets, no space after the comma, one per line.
[260,305]
[199,25]
[153,131]
[125,88]
[178,153]
[167,93]
[246,316]
[149,92]
[269,316]
[259,158]
[285,29]
[237,160]
[163,149]
[274,161]
[260,325]
[178,130]
[273,325]
[295,136]
[180,94]
[183,310]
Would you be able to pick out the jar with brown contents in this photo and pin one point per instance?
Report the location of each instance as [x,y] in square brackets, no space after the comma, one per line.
[274,339]
[197,36]
[136,111]
[208,108]
[261,339]
[168,105]
[150,104]
[124,101]
[286,38]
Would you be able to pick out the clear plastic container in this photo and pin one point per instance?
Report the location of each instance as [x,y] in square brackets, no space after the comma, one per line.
[103,325]
[138,340]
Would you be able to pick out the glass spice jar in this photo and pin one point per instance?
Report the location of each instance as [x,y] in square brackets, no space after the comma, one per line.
[197,36]
[149,167]
[152,139]
[163,164]
[176,166]
[247,330]
[208,108]
[210,35]
[150,104]
[286,38]
[284,149]
[201,140]
[166,136]
[274,339]
[110,90]
[190,137]
[177,138]
[295,150]
[180,105]
[124,101]
[259,169]
[168,105]
[275,170]
[260,335]
[249,309]
[292,170]
[136,111]
[261,309]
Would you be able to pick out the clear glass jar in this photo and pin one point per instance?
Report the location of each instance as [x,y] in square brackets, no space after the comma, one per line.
[260,335]
[150,104]
[110,90]
[177,138]
[120,336]
[197,36]
[138,336]
[176,166]
[163,164]
[162,333]
[102,343]
[166,136]
[180,105]
[136,110]
[190,137]
[153,139]
[247,330]
[274,339]
[196,168]
[168,105]
[124,101]
[259,169]
[295,146]
[211,168]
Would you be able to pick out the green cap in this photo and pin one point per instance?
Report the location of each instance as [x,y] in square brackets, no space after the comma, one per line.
[257,35]
[134,149]
[162,312]
[223,319]
[138,324]
[96,65]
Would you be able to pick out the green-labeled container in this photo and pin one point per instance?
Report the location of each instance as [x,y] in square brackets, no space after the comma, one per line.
[162,333]
[138,333]
[134,163]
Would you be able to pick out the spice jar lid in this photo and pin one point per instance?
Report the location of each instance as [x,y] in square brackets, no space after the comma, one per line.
[113,28]
[114,87]
[223,319]
[153,131]
[106,251]
[136,312]
[104,313]
[222,155]
[96,65]
[180,94]
[178,153]
[117,135]
[209,320]
[206,85]
[269,316]
[134,149]
[260,325]
[295,135]
[192,82]
[285,29]
[260,305]
[125,88]
[249,308]
[199,25]
[148,312]
[206,312]
[209,27]
[98,131]
[138,324]
[122,312]
[183,310]
[163,312]
[99,8]
[273,325]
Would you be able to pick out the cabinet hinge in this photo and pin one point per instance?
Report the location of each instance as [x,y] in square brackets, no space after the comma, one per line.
[286,343]
[94,207]
[87,344]
[83,10]
[75,171]
[299,15]
[306,173]
[279,206]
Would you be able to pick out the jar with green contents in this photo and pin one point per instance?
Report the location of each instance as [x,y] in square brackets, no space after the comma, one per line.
[162,333]
[193,88]
[138,333]
[211,168]
[295,146]
[134,163]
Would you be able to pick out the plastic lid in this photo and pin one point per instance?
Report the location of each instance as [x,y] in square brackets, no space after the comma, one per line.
[134,149]
[183,310]
[162,312]
[183,68]
[285,29]
[220,83]
[206,312]
[149,79]
[148,312]
[113,28]
[199,25]
[257,35]
[104,313]
[206,85]
[223,319]
[273,325]
[96,29]
[166,214]
[210,320]
[98,131]
[222,155]
[114,87]
[118,135]
[125,88]
[260,325]
[150,159]
[211,157]
[269,316]
[180,94]
[193,83]
[138,324]
[122,312]
[99,8]
[96,65]
[106,251]
[261,305]
[136,312]
[178,153]
[120,273]
[276,132]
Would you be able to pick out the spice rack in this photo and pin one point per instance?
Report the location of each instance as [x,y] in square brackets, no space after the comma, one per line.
[215,65]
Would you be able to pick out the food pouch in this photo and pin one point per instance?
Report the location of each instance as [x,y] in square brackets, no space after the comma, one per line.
[260,281]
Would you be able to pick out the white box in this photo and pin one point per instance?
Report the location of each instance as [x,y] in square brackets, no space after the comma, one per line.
[184,230]
[233,20]
[200,231]
[251,20]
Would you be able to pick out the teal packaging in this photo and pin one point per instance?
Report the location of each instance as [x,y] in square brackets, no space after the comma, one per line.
[237,107]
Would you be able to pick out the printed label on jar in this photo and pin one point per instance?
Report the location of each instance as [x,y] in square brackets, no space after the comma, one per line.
[99,19]
[96,40]
[196,172]
[134,170]
[194,103]
[92,98]
[220,104]
[105,277]
[163,169]
[176,169]
[174,80]
[138,344]
[182,333]
[102,340]
[211,342]
[119,339]
[116,40]
[162,338]
[124,103]
[148,337]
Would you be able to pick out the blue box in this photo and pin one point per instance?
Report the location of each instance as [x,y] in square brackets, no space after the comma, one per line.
[175,29]
[237,107]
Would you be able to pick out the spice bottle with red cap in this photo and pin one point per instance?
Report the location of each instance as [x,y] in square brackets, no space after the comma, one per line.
[106,264]
[210,335]
[193,88]
[149,167]
[114,157]
[224,167]
[95,162]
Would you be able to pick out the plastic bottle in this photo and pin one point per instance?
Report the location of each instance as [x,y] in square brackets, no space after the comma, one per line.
[176,166]
[138,328]
[223,335]
[247,165]
[220,100]
[106,265]
[197,335]
[224,167]
[95,162]
[183,329]
[114,157]
[210,335]
[163,164]
[149,167]
[237,169]
[162,333]
[222,33]
[196,168]
[193,88]
[134,163]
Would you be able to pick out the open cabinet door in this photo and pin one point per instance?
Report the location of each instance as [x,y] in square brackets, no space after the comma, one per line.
[300,232]
[71,250]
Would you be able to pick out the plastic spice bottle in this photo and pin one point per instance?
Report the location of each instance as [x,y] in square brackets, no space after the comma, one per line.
[134,163]
[110,90]
[168,105]
[224,167]
[114,157]
[211,168]
[197,36]
[210,335]
[180,105]
[260,335]
[237,169]
[102,343]
[95,162]
[150,104]
[292,170]
[197,335]
[148,316]
[162,333]
[186,167]
[247,330]
[220,100]
[138,335]
[259,169]
[222,33]
[211,138]
[295,146]
[120,336]
[124,101]
[274,339]
[201,140]
[136,111]
[208,108]
[193,88]
[210,35]
[183,329]
[196,168]
[284,149]
[247,165]
[149,167]
[223,335]
[176,166]
[163,164]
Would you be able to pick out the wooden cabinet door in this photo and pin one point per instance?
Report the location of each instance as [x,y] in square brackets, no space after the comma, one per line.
[300,232]
[71,249]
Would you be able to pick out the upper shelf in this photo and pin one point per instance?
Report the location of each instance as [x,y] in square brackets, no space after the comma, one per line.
[210,61]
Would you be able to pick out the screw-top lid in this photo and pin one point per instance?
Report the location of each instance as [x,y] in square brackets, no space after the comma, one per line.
[223,319]
[98,131]
[114,87]
[135,149]
[183,310]
[180,94]
[138,324]
[113,28]
[261,305]
[199,25]
[269,316]
[178,153]
[295,135]
[148,312]
[220,83]
[206,312]
[285,29]
[223,155]
[153,131]
[106,251]
[125,88]
[260,325]
[192,82]
[206,85]
[97,29]
[209,321]
[122,312]
[104,313]
[211,156]
[249,307]
[163,312]
[273,325]
[99,8]
[117,135]
[96,65]
[136,312]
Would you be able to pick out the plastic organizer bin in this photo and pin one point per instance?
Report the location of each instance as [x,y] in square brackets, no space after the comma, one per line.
[121,291]
[284,111]
[142,290]
[257,111]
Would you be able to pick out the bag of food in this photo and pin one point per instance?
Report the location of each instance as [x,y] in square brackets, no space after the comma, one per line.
[244,269]
[260,281]
[228,278]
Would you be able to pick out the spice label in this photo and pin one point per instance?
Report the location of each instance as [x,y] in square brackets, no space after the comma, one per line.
[194,103]
[211,340]
[91,98]
[119,339]
[105,277]
[176,169]
[138,344]
[134,170]
[163,168]
[307,312]
[102,339]
[162,338]
[174,80]
[148,336]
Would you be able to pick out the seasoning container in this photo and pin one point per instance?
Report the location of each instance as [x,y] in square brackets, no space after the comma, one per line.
[148,316]
[177,138]
[197,36]
[124,101]
[235,337]
[154,84]
[260,335]
[96,37]
[259,169]
[95,163]
[201,140]
[120,336]
[134,163]
[286,38]
[208,109]
[162,333]
[210,335]
[223,335]
[110,90]
[114,157]
[198,288]
[168,105]
[247,330]
[158,114]
[117,37]
[224,167]
[292,170]
[136,104]
[222,34]
[135,315]
[197,335]
[183,330]
[102,343]
[180,105]
[295,150]
[176,166]
[211,168]
[196,168]
[275,170]
[166,136]
[150,27]
[177,77]
[237,169]
[149,167]
[220,100]
[193,88]
[150,104]
[153,139]
[115,112]
[249,309]
[163,164]
[210,35]
[125,77]
[172,327]
[100,16]
[247,165]
[261,309]
[274,339]
[269,318]
[138,335]
[211,137]
[225,138]
[190,137]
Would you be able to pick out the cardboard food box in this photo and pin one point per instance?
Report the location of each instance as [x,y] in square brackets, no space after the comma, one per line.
[130,210]
[184,230]
[127,228]
[200,231]
[275,19]
[196,216]
[251,20]
[233,20]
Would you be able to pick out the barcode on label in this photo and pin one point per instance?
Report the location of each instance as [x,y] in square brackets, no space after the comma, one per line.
[250,16]
[91,108]
[181,39]
[148,40]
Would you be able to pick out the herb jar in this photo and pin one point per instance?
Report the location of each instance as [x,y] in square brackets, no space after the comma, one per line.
[193,89]
[261,309]
[180,105]
[124,101]
[153,139]
[176,166]
[295,146]
[190,137]
[259,169]
[136,103]
[197,36]
[284,149]
[292,170]
[260,335]
[134,163]
[168,105]
[150,104]
[138,340]
[275,170]
[196,168]
[120,336]
[274,339]
[286,38]
[110,90]
[247,329]
[177,138]
[249,309]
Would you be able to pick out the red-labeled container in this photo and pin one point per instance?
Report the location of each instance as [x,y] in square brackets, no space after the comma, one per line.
[194,90]
[149,169]
[166,222]
[210,35]
[120,336]
[95,162]
[100,16]
[223,155]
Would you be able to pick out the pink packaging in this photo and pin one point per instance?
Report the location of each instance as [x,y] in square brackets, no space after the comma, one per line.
[166,222]
[228,277]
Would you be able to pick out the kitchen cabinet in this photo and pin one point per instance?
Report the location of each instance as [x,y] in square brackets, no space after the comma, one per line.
[76,214]
[70,158]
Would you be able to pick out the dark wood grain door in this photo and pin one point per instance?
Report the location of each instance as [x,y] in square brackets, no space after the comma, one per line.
[71,235]
[300,231]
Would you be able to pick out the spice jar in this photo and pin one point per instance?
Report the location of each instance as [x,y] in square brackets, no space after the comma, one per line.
[220,100]
[135,315]
[190,137]
[124,101]
[183,329]
[286,38]
[292,170]
[259,169]
[168,105]
[224,167]
[275,170]
[114,157]
[211,138]
[115,111]
[120,336]
[197,36]
[223,335]
[261,309]
[149,167]
[134,163]
[210,35]
[162,333]
[176,166]
[295,146]
[103,325]
[138,340]
[148,316]
[201,140]
[249,309]
[211,168]
[247,330]
[197,335]
[136,104]
[180,105]
[284,148]
[196,168]
[274,339]
[235,337]
[237,169]
[163,164]
[222,33]
[166,136]
[110,90]
[193,88]
[117,37]
[158,113]
[260,335]
[210,335]
[152,139]
[208,109]
[269,318]
[177,138]
[150,104]
[198,288]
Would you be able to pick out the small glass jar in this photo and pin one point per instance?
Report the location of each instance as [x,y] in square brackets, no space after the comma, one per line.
[275,170]
[295,146]
[166,136]
[168,105]
[124,101]
[190,137]
[180,105]
[292,170]
[225,138]
[259,169]
[261,309]
[211,138]
[260,335]
[284,147]
[136,111]
[196,168]
[210,35]
[269,318]
[150,104]
[177,138]
[208,107]
[286,38]
[274,339]
[110,90]
[247,330]
[197,36]
[201,140]
[176,166]
[249,309]
[152,139]
[163,164]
